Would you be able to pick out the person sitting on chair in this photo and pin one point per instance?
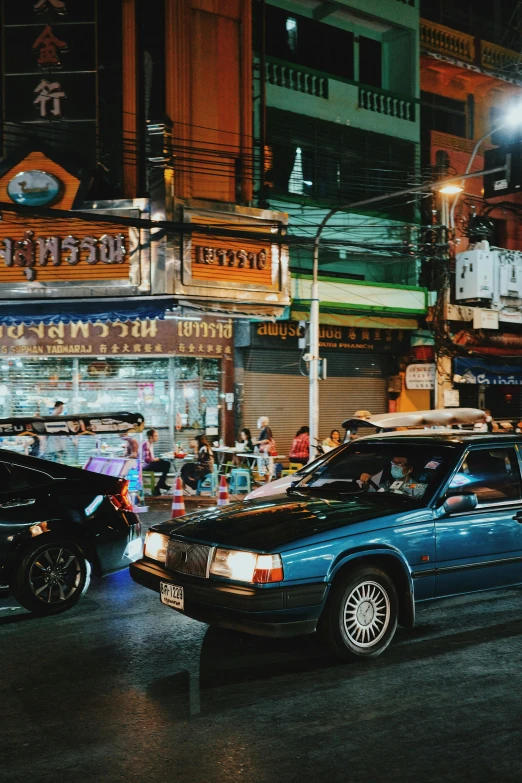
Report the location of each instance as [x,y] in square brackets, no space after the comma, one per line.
[155,464]
[192,472]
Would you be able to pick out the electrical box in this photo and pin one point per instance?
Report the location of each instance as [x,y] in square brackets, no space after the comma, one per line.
[490,274]
[474,278]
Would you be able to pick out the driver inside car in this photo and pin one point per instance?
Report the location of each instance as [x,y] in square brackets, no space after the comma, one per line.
[398,480]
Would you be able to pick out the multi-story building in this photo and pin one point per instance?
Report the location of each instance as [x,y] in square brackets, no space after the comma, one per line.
[471,77]
[129,236]
[337,122]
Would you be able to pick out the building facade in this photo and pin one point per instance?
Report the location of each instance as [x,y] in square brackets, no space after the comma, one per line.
[130,242]
[336,122]
[470,81]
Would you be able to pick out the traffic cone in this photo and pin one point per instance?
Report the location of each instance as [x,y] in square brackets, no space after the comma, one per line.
[223,492]
[178,504]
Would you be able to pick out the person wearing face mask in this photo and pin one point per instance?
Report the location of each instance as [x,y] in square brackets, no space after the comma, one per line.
[400,471]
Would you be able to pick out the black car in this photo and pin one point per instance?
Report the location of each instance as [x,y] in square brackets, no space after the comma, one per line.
[57,524]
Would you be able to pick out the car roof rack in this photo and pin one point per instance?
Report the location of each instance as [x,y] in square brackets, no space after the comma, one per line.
[441,417]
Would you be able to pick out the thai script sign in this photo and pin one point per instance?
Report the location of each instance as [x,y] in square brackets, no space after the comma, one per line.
[420,376]
[230,258]
[281,333]
[33,251]
[148,337]
[486,372]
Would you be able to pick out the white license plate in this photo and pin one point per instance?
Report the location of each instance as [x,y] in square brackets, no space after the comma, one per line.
[172,595]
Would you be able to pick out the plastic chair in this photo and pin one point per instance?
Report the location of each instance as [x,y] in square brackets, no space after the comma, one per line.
[293,467]
[209,483]
[240,481]
[149,482]
[226,468]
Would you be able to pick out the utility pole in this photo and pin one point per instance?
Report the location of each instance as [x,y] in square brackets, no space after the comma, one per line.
[314,299]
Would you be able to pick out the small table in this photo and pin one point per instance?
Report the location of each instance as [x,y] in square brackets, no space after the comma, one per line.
[223,451]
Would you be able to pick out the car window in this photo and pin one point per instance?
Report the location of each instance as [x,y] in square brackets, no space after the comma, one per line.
[401,468]
[491,473]
[5,478]
[23,478]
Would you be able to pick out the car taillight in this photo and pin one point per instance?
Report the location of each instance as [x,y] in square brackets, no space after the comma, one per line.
[123,499]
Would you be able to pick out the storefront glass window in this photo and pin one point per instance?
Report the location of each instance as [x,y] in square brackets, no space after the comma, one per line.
[178,396]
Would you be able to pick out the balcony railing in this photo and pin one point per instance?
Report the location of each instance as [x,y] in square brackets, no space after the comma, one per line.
[388,103]
[496,58]
[444,40]
[297,78]
[460,46]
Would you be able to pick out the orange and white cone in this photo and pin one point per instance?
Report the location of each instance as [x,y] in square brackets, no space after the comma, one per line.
[223,492]
[178,504]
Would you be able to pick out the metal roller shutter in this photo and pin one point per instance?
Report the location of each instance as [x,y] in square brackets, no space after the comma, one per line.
[274,388]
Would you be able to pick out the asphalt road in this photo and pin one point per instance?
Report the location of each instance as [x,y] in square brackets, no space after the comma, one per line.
[124,689]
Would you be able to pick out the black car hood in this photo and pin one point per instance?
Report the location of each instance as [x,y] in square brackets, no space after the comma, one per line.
[268,524]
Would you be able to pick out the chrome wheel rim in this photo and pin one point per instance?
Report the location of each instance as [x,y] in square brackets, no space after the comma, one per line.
[55,575]
[366,614]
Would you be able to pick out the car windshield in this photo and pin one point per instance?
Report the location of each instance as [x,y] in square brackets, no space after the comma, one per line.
[402,468]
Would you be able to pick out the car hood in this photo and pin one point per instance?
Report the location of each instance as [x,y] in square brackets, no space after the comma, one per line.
[269,524]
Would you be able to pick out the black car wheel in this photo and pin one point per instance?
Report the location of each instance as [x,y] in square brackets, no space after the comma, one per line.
[360,618]
[51,577]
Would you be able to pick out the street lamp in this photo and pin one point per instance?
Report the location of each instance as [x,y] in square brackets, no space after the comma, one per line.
[513,118]
[314,299]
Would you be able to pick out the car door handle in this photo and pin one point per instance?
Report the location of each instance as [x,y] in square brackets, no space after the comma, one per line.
[518,517]
[18,502]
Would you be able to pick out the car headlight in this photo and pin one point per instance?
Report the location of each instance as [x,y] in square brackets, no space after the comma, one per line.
[156,546]
[246,566]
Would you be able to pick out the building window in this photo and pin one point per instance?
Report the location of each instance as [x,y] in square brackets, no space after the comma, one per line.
[327,161]
[309,43]
[443,114]
[370,62]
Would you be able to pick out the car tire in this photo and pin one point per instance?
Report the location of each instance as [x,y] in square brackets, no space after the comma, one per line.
[360,617]
[51,576]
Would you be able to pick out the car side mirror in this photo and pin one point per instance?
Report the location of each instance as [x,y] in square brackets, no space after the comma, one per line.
[455,504]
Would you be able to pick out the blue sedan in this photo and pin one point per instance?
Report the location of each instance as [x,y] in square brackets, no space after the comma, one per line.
[380,525]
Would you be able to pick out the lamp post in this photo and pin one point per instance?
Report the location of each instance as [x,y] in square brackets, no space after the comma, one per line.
[512,119]
[314,298]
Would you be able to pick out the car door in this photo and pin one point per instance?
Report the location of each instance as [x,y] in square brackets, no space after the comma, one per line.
[482,548]
[24,496]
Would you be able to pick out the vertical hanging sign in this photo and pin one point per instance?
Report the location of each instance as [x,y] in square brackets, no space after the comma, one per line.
[49,61]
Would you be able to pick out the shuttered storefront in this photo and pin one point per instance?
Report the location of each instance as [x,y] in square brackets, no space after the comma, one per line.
[274,387]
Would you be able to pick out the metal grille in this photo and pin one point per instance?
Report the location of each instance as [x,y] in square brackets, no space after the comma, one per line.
[187,558]
[273,387]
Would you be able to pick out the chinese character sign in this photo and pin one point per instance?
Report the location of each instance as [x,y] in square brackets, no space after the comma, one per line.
[49,97]
[48,47]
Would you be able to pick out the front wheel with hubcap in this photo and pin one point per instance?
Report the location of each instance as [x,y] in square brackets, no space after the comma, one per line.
[360,617]
[51,577]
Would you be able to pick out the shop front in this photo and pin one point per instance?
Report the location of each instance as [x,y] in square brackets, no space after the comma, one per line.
[272,374]
[177,373]
[490,383]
